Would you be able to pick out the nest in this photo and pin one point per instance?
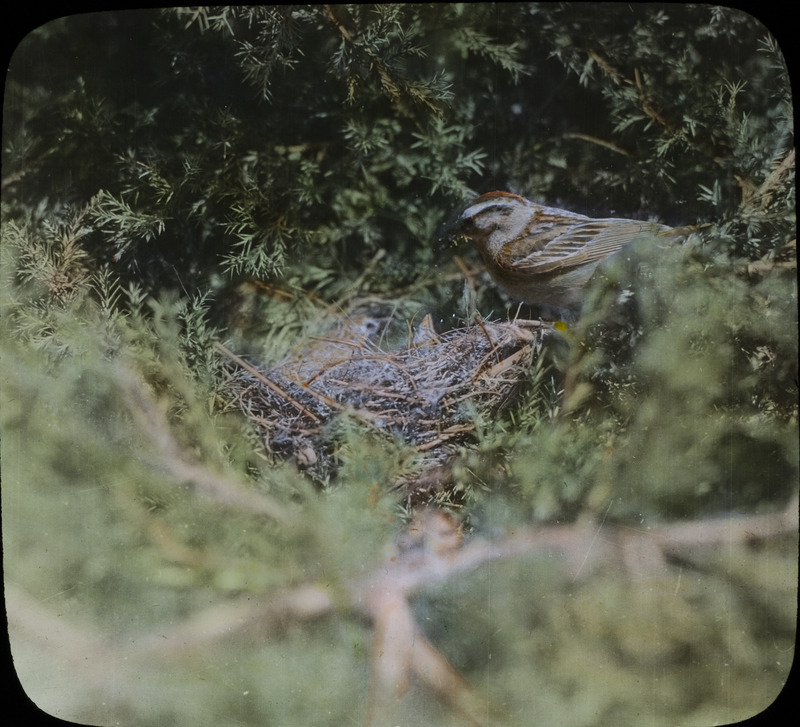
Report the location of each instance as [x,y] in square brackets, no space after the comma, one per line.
[426,393]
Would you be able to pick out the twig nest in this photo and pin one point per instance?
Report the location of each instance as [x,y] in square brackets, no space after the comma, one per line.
[425,392]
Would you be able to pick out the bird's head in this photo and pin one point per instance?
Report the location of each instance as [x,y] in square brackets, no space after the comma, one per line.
[493,219]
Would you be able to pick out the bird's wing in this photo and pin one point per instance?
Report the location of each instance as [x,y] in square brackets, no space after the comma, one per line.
[582,244]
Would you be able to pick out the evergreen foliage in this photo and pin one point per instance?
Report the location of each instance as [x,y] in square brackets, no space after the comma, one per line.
[244,174]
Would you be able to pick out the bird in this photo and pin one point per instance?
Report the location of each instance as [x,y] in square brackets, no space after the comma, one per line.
[545,256]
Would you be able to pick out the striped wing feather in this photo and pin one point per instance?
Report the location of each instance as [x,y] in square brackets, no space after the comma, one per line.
[580,244]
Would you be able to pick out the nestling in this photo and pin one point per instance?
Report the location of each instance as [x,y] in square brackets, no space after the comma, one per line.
[542,255]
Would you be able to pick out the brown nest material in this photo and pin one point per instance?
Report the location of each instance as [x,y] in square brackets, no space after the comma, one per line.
[426,394]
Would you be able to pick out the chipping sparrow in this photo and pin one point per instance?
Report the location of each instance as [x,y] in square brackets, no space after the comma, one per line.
[542,255]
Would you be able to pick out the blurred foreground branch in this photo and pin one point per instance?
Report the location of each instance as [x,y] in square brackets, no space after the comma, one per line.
[178,464]
[430,552]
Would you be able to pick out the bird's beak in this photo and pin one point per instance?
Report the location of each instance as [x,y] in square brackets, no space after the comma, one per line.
[452,227]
